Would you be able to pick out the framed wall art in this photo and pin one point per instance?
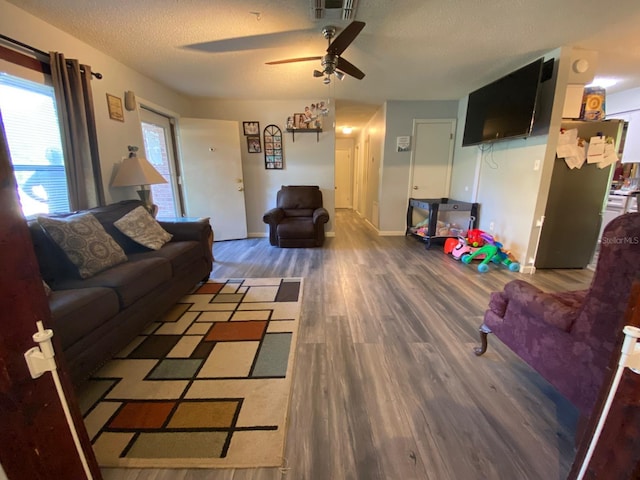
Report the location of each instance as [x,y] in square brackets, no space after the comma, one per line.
[251,128]
[273,154]
[115,108]
[253,144]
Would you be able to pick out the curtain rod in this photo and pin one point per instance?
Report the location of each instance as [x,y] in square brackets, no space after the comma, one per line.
[39,52]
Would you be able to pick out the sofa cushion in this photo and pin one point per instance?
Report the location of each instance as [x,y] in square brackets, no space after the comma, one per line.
[140,226]
[79,311]
[179,254]
[131,280]
[85,242]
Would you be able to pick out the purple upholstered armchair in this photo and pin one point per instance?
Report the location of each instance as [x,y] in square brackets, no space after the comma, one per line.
[569,337]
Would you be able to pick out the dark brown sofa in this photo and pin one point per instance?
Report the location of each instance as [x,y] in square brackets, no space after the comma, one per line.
[298,219]
[96,317]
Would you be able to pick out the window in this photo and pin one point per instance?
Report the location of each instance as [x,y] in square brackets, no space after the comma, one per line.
[33,134]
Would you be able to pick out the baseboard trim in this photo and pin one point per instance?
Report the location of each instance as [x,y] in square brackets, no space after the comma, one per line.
[391,233]
[530,269]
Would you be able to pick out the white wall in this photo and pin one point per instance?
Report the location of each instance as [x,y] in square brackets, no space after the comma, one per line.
[625,101]
[394,181]
[466,163]
[113,136]
[306,161]
[626,105]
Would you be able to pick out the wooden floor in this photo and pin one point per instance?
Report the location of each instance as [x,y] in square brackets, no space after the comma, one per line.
[386,385]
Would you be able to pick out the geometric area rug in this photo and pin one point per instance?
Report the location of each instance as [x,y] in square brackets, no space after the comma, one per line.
[206,386]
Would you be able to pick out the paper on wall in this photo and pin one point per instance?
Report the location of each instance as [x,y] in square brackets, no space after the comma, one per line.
[567,142]
[595,153]
[610,156]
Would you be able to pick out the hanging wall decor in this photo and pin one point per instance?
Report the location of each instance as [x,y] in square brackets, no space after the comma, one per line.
[273,156]
[253,143]
[115,108]
[251,128]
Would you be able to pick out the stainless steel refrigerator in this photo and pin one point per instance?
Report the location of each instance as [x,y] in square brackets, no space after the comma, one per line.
[575,204]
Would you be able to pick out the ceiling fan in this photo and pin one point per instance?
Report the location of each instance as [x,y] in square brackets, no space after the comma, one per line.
[332,62]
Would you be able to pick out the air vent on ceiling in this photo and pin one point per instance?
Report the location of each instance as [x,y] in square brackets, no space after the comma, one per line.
[333,9]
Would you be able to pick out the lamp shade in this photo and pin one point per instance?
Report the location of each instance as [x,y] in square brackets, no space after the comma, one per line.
[136,170]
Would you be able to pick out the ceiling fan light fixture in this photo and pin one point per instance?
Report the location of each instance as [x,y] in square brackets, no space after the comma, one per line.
[339,75]
[318,73]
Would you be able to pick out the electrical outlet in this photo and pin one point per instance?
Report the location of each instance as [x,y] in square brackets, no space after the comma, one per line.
[536,165]
[491,226]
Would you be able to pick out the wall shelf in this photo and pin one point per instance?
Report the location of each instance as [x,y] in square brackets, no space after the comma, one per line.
[304,130]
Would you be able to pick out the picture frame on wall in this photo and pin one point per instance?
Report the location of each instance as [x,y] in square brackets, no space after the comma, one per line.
[251,128]
[114,104]
[253,144]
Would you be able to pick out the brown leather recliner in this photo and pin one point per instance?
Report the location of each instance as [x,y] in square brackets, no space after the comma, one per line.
[298,219]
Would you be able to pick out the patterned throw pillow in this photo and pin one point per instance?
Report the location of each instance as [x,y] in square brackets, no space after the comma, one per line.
[85,242]
[141,227]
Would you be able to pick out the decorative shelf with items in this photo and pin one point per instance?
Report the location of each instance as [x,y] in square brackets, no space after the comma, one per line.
[304,130]
[309,121]
[440,218]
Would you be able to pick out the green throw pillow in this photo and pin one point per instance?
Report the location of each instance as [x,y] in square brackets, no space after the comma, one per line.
[85,242]
[141,227]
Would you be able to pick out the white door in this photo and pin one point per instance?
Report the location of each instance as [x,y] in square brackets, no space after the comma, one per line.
[343,179]
[212,175]
[430,174]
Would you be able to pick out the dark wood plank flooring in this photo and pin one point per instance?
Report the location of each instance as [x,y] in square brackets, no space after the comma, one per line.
[386,385]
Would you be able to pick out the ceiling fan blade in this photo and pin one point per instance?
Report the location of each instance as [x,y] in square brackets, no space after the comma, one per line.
[292,60]
[344,38]
[349,68]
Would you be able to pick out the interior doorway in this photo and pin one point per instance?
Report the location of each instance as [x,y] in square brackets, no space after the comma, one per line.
[158,131]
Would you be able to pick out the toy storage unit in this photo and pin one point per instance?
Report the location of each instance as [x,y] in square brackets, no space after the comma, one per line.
[441,218]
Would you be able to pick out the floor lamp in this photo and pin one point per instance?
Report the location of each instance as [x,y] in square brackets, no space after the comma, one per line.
[629,357]
[137,171]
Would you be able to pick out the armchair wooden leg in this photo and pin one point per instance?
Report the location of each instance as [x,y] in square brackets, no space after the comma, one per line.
[484,331]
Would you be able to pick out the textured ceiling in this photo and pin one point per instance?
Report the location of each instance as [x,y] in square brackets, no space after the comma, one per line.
[409,49]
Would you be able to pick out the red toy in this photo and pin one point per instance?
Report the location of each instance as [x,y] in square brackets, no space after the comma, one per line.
[474,237]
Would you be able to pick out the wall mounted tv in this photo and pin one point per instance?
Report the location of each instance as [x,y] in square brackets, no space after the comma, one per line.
[505,108]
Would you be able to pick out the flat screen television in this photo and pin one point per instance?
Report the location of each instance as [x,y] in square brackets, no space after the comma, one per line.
[505,108]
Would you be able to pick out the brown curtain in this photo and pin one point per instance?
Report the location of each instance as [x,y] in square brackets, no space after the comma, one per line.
[72,86]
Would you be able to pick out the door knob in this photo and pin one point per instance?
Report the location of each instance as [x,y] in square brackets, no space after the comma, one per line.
[241,189]
[415,187]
